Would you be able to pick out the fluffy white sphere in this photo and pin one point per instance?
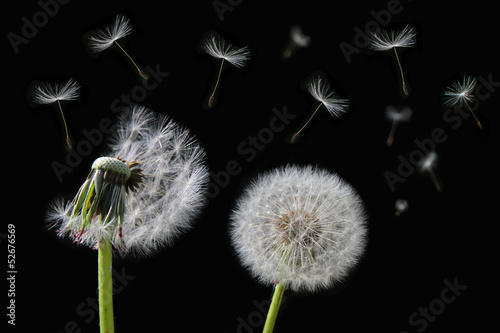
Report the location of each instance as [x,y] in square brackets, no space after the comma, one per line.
[300,226]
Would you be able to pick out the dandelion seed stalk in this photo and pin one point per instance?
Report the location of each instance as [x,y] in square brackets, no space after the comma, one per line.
[405,89]
[105,281]
[141,73]
[296,135]
[477,120]
[68,140]
[211,99]
[390,139]
[274,308]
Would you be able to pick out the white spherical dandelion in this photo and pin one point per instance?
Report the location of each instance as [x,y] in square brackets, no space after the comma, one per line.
[144,193]
[300,227]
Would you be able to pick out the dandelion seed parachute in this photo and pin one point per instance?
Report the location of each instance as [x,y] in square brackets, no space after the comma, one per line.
[297,40]
[461,94]
[156,175]
[218,48]
[47,93]
[397,116]
[102,39]
[319,88]
[384,40]
[302,227]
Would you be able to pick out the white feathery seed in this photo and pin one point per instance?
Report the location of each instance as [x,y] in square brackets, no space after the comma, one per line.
[48,93]
[460,92]
[398,114]
[217,47]
[384,40]
[319,88]
[428,165]
[303,227]
[102,39]
[167,193]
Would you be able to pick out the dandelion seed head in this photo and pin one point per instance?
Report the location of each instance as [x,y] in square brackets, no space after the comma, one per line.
[460,92]
[319,88]
[145,193]
[384,40]
[219,48]
[102,39]
[300,226]
[48,93]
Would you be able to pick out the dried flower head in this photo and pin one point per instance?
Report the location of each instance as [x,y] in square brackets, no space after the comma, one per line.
[302,227]
[319,88]
[384,40]
[144,194]
[48,93]
[217,47]
[396,115]
[461,94]
[102,39]
[297,40]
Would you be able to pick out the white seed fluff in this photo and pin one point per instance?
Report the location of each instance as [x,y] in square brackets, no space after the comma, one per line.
[102,39]
[48,93]
[460,92]
[219,48]
[319,88]
[169,196]
[300,226]
[385,40]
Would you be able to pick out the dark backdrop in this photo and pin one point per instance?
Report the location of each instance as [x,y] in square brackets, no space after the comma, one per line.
[403,281]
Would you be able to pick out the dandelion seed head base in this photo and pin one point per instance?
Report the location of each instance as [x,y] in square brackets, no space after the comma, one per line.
[298,226]
[112,164]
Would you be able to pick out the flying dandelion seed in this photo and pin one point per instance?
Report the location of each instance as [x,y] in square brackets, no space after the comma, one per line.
[461,93]
[301,228]
[384,40]
[102,39]
[396,116]
[218,48]
[138,200]
[48,93]
[297,40]
[319,88]
[427,165]
[400,206]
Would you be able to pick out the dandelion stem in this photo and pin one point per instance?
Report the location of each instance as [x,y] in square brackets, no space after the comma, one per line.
[390,139]
[477,120]
[211,99]
[273,309]
[435,180]
[141,73]
[105,287]
[294,137]
[68,140]
[405,89]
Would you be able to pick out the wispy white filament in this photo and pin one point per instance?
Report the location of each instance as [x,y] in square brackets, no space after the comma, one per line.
[219,48]
[102,39]
[170,195]
[319,88]
[303,227]
[460,92]
[48,93]
[384,40]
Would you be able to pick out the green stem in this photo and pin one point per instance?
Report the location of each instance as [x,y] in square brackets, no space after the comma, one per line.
[105,287]
[273,309]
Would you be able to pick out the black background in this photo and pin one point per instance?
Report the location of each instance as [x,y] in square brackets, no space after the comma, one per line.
[198,284]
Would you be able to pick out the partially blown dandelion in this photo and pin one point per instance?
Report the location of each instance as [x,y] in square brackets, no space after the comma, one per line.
[218,48]
[396,116]
[461,93]
[140,198]
[102,39]
[48,93]
[298,227]
[297,40]
[384,40]
[319,88]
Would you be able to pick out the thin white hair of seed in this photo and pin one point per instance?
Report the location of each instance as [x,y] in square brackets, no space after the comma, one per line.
[427,165]
[319,88]
[164,192]
[48,93]
[396,116]
[299,226]
[297,40]
[217,47]
[102,39]
[384,40]
[461,93]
